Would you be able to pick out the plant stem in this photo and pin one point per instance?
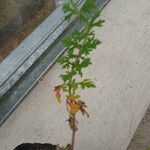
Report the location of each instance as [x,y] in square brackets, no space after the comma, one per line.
[73,132]
[87,29]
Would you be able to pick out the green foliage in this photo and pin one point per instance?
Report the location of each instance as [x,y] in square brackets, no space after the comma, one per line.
[88,6]
[95,21]
[68,11]
[87,84]
[148,148]
[79,45]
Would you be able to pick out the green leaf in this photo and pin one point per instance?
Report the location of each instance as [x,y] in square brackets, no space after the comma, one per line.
[95,21]
[65,77]
[73,40]
[88,6]
[67,41]
[85,63]
[64,61]
[79,66]
[90,45]
[68,11]
[87,84]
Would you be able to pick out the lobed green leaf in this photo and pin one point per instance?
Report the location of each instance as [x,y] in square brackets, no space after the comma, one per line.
[95,21]
[68,11]
[87,84]
[88,6]
[79,66]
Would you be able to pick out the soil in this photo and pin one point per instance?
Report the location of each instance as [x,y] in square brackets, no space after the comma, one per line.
[141,138]
[31,19]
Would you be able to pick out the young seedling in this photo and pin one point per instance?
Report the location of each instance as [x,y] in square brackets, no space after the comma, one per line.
[79,45]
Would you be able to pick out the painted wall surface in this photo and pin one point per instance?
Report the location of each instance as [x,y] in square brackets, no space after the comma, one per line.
[121,71]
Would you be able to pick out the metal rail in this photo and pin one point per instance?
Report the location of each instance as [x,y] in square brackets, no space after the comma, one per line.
[24,84]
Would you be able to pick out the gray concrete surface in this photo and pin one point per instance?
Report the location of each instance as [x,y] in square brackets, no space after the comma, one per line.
[121,68]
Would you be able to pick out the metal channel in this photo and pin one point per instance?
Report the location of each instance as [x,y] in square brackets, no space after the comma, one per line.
[26,54]
[15,95]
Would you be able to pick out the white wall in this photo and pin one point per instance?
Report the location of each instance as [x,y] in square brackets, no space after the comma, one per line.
[121,71]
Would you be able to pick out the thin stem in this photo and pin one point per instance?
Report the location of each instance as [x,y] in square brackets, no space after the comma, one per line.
[73,132]
[87,29]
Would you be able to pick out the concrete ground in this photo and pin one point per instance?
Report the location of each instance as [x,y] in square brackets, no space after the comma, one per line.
[141,138]
[121,71]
